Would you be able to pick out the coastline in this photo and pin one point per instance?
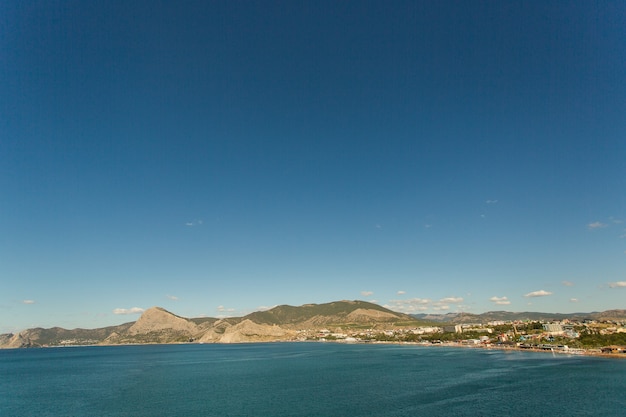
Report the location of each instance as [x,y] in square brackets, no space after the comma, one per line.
[561,352]
[566,352]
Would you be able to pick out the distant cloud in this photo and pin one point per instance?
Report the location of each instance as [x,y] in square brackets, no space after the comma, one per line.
[401,292]
[367,293]
[223,309]
[595,225]
[573,300]
[500,300]
[172,297]
[412,305]
[428,226]
[28,301]
[567,283]
[491,201]
[415,305]
[540,293]
[617,284]
[133,310]
[616,221]
[451,300]
[194,223]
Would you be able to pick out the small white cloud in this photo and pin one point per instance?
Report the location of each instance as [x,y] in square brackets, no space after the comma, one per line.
[172,297]
[409,306]
[573,300]
[441,307]
[540,293]
[567,283]
[401,292]
[451,300]
[617,284]
[428,226]
[500,300]
[194,223]
[491,201]
[28,301]
[378,226]
[595,225]
[133,310]
[367,293]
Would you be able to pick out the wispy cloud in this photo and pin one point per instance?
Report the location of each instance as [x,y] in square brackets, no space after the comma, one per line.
[367,293]
[412,305]
[573,300]
[401,292]
[596,225]
[567,283]
[451,300]
[28,301]
[540,293]
[491,201]
[172,297]
[223,309]
[617,284]
[133,310]
[500,300]
[194,223]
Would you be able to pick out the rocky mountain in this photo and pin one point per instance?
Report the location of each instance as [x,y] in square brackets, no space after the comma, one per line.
[157,325]
[57,336]
[320,315]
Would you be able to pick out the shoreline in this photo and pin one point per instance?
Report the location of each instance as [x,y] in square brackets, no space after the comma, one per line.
[595,352]
[566,352]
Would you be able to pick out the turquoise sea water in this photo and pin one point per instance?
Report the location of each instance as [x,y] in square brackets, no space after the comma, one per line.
[306,379]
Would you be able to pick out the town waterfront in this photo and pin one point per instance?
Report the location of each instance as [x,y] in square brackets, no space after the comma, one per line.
[305,379]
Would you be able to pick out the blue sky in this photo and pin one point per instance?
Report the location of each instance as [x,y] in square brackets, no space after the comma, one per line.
[215,158]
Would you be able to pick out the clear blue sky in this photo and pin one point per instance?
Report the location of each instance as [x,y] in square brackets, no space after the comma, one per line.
[214,158]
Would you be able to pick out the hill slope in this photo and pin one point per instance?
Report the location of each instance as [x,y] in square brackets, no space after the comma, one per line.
[157,325]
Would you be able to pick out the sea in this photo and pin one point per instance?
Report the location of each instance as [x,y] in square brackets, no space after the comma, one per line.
[306,379]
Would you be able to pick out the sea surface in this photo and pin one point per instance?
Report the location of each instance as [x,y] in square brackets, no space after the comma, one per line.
[306,379]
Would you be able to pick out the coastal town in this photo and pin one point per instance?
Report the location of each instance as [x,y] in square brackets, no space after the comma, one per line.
[566,336]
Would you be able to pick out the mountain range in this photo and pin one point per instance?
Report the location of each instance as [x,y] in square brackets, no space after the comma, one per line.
[281,323]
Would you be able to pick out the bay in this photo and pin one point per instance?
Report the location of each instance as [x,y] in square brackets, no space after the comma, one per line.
[306,379]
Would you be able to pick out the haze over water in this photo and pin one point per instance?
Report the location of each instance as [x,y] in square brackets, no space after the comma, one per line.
[306,379]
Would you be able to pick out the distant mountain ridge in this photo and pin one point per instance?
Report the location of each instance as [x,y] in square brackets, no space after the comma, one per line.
[281,323]
[523,316]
